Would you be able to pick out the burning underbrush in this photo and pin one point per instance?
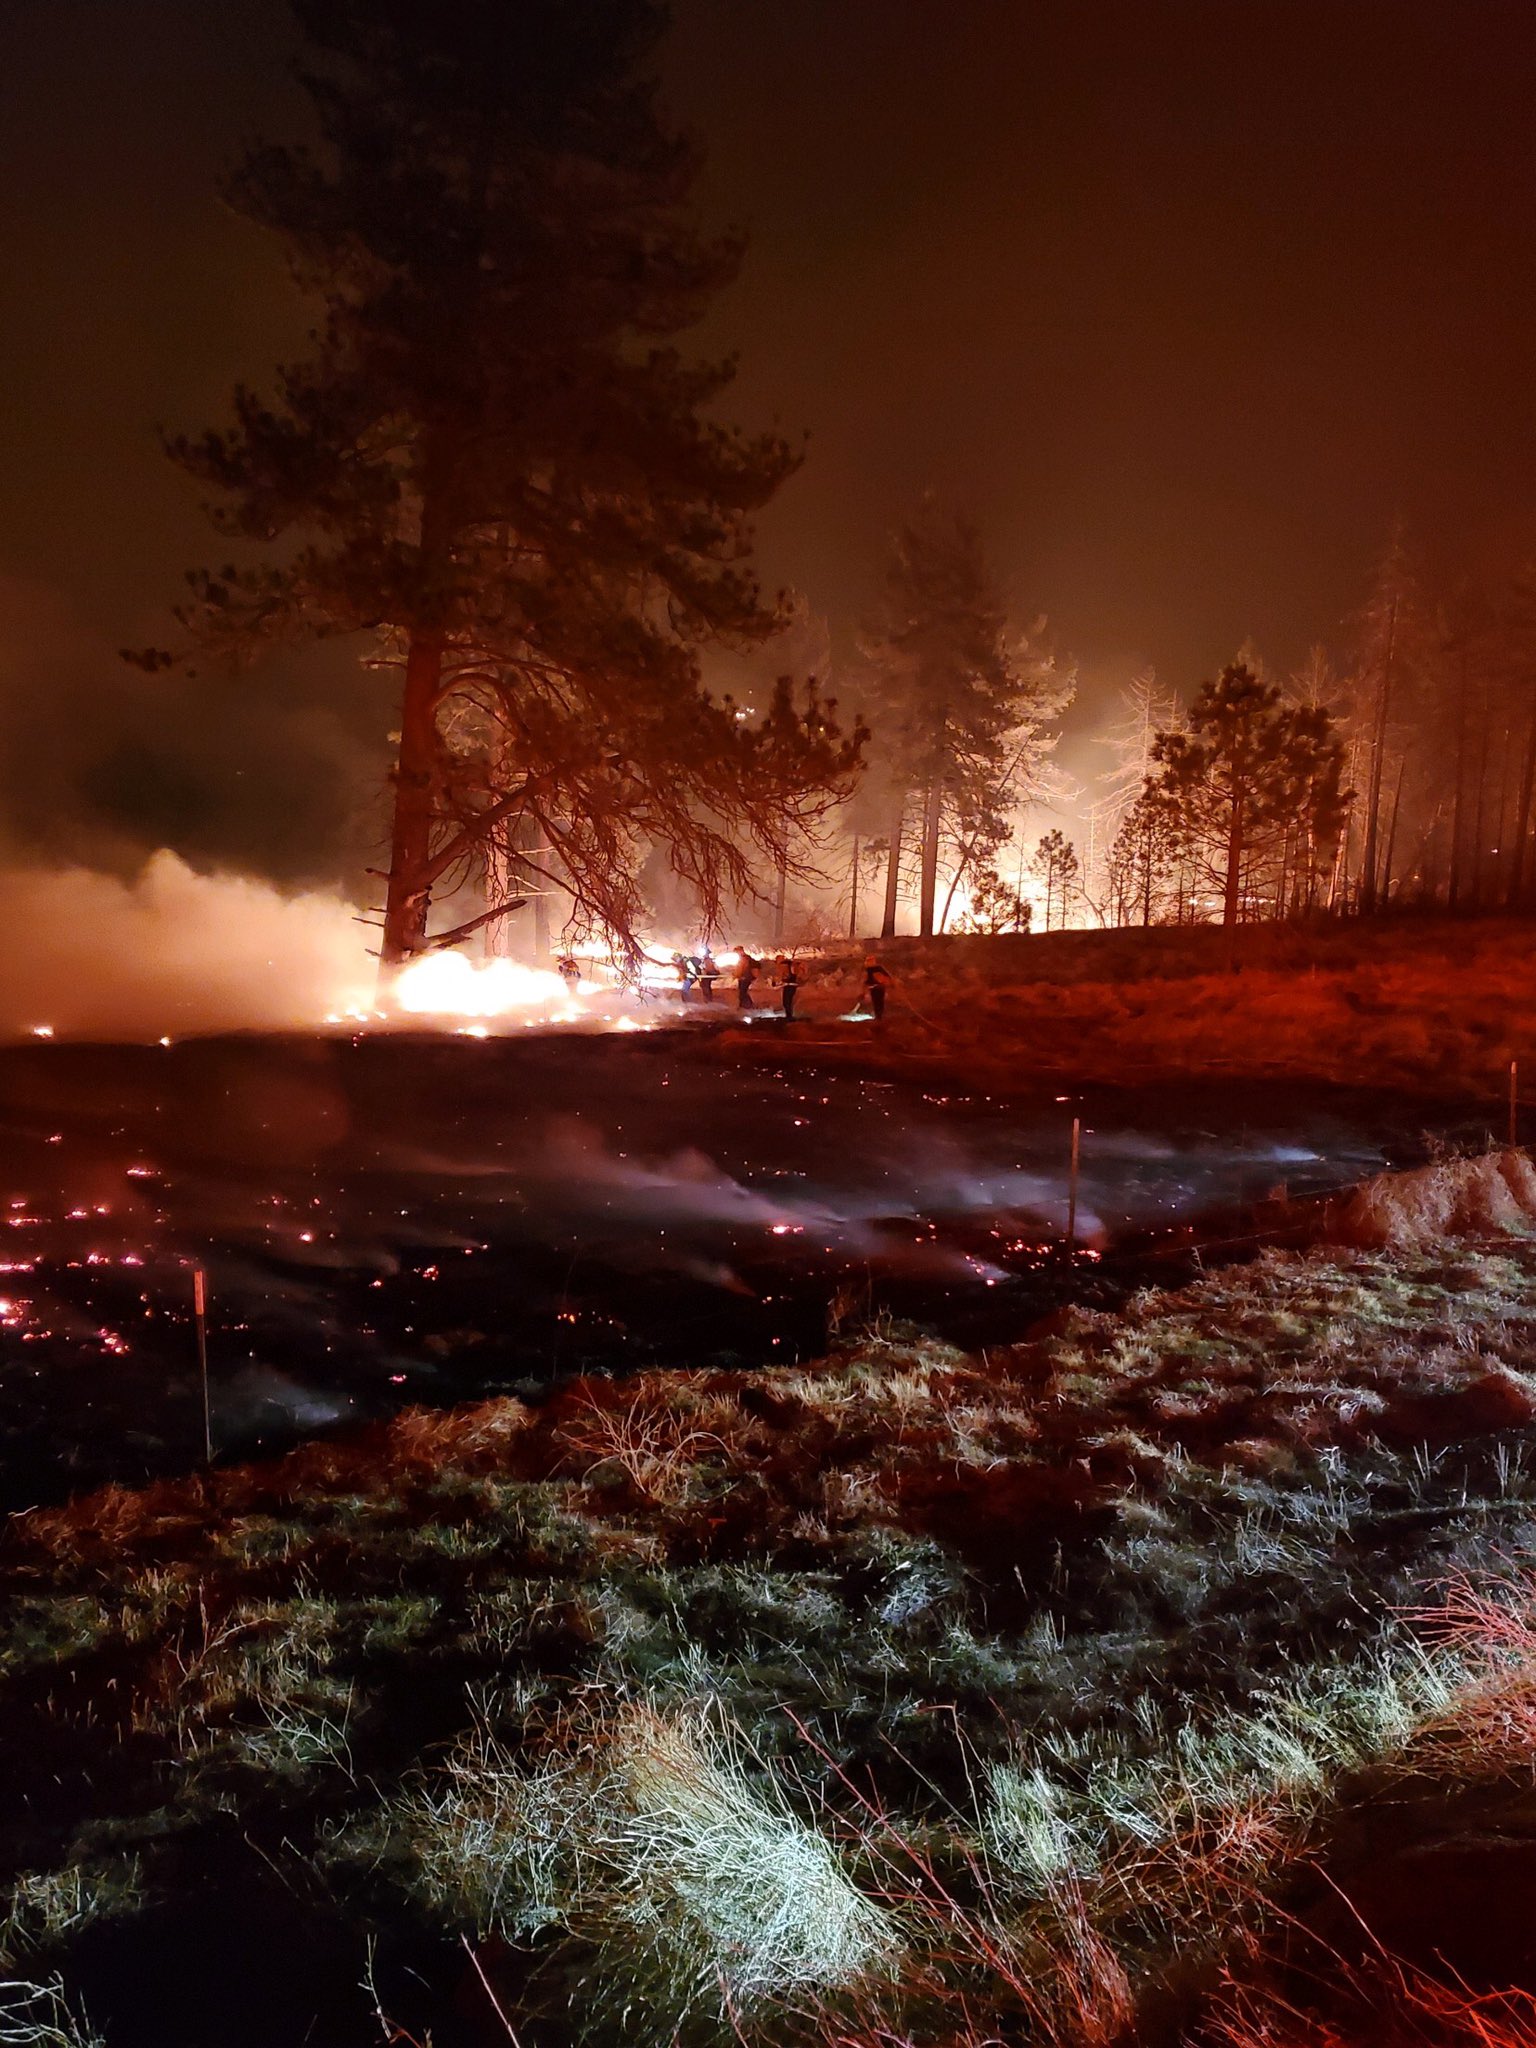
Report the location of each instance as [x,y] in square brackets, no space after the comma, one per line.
[1134,1682]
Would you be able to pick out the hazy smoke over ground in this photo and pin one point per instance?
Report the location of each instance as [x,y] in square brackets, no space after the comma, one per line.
[172,951]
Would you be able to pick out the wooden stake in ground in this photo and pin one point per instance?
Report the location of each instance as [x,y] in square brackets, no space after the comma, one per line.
[200,1318]
[1514,1102]
[1077,1134]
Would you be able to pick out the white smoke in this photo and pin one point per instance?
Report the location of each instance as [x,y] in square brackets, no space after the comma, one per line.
[172,951]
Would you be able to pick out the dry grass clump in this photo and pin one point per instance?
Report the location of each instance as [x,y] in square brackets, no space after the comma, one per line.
[45,1909]
[41,2016]
[654,1444]
[1491,1196]
[1387,2006]
[662,1851]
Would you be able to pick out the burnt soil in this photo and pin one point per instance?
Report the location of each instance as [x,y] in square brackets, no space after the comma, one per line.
[396,1218]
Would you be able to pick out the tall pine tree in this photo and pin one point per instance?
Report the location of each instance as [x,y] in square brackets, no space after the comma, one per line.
[1391,632]
[958,704]
[1239,779]
[496,461]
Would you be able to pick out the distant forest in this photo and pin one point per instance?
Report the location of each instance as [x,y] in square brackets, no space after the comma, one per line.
[1396,773]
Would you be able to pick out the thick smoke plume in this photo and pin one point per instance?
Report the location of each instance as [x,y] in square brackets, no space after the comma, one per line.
[172,951]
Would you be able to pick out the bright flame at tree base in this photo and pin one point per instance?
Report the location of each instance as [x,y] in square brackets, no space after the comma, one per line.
[452,989]
[453,985]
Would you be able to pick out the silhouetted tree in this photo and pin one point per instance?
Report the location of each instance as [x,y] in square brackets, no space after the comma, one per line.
[495,459]
[958,704]
[1055,862]
[995,906]
[1244,773]
[1518,648]
[1146,860]
[1147,709]
[1391,653]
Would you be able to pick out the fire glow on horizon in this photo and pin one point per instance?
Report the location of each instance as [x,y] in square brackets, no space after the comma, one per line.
[174,953]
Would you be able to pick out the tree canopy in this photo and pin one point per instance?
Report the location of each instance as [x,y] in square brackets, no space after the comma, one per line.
[958,702]
[496,462]
[1246,774]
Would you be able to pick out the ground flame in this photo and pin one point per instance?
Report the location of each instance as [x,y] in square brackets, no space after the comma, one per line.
[453,985]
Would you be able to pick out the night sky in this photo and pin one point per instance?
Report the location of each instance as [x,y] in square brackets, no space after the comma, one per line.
[1184,299]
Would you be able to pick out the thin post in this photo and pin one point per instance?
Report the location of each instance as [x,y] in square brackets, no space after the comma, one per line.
[1077,1135]
[1514,1103]
[200,1318]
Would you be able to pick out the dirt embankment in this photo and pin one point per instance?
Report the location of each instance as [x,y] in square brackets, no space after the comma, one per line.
[1437,1006]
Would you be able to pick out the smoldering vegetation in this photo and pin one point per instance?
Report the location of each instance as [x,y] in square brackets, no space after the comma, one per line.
[1133,1682]
[405,1218]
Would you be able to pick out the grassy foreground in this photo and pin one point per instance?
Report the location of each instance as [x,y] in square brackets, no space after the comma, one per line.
[1124,1684]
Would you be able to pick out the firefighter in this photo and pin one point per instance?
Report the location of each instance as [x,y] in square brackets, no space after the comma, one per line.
[683,969]
[746,974]
[709,974]
[789,985]
[876,981]
[568,972]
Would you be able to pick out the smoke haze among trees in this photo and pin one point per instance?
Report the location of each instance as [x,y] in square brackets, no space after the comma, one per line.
[951,282]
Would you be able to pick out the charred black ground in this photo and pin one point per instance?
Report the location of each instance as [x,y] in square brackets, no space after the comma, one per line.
[391,1218]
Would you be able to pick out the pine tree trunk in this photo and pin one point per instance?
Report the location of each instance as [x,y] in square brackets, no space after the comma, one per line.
[1338,880]
[409,895]
[1459,799]
[1500,885]
[534,843]
[893,872]
[1386,865]
[1480,812]
[929,884]
[498,887]
[1378,763]
[1232,892]
[853,893]
[954,882]
[539,884]
[1517,884]
[779,894]
[1282,908]
[1342,890]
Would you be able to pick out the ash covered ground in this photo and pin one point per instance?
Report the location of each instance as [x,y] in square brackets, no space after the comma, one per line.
[396,1218]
